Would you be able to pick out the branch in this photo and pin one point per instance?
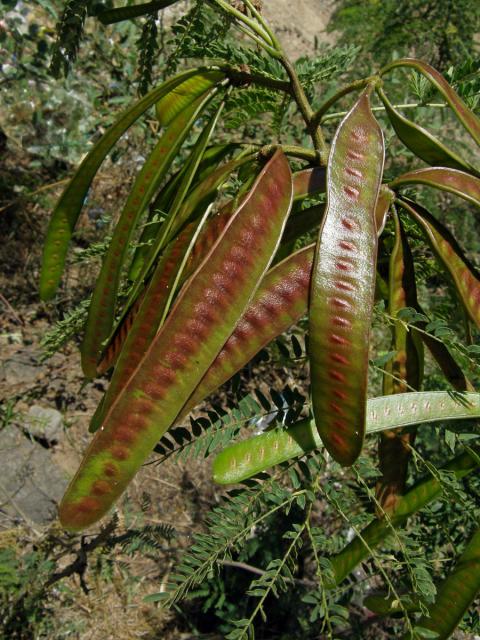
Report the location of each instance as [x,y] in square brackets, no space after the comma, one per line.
[260,572]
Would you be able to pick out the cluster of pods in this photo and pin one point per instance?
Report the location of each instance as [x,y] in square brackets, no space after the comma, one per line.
[208,290]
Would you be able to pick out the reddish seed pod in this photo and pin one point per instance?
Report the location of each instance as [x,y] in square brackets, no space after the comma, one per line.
[268,205]
[343,281]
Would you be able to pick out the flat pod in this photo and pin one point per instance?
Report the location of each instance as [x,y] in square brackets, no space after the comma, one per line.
[279,302]
[343,283]
[309,182]
[404,371]
[458,182]
[67,210]
[463,274]
[199,324]
[169,228]
[249,457]
[171,105]
[421,142]
[148,316]
[145,322]
[164,199]
[468,119]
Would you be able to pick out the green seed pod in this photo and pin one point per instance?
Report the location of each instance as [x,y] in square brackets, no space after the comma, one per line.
[249,457]
[101,312]
[468,119]
[458,182]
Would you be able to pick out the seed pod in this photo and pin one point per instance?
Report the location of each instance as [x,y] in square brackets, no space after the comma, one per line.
[384,202]
[463,274]
[455,594]
[101,312]
[468,119]
[144,324]
[170,228]
[309,182]
[343,283]
[200,323]
[249,457]
[111,16]
[67,210]
[279,302]
[458,182]
[202,246]
[421,142]
[404,371]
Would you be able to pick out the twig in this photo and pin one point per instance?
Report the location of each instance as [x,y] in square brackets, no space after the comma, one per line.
[261,572]
[12,310]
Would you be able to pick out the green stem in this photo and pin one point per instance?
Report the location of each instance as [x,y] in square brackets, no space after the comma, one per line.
[261,43]
[240,17]
[318,115]
[264,24]
[305,109]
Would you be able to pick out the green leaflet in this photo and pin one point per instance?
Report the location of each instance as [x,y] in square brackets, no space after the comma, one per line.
[111,16]
[458,182]
[343,283]
[456,593]
[168,107]
[67,210]
[202,319]
[249,457]
[468,119]
[404,371]
[101,312]
[421,142]
[464,276]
